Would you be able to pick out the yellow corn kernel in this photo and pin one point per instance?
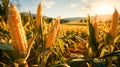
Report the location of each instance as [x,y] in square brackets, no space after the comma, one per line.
[17,33]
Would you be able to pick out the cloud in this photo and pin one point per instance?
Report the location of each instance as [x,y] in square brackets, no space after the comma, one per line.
[73,5]
[88,7]
[105,6]
[100,2]
[48,3]
[96,6]
[78,8]
[84,1]
[103,3]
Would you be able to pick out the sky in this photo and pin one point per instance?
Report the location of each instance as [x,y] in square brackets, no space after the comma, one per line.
[70,8]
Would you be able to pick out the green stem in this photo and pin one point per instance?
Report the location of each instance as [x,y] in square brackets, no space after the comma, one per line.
[41,32]
[110,58]
[23,64]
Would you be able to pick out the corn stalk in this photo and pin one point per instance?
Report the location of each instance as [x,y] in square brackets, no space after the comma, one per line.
[113,33]
[92,40]
[21,47]
[44,47]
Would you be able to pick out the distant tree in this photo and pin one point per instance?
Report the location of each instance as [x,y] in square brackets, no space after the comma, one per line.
[64,21]
[109,21]
[1,10]
[81,20]
[49,20]
[100,21]
[4,8]
[25,17]
[85,20]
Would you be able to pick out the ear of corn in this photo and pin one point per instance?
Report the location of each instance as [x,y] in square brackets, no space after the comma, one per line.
[39,15]
[113,29]
[51,36]
[113,32]
[95,25]
[91,38]
[16,29]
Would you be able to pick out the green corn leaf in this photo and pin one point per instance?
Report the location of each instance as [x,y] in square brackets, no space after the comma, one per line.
[61,44]
[117,41]
[98,63]
[60,65]
[76,62]
[102,52]
[81,39]
[116,53]
[30,44]
[91,38]
[4,65]
[4,46]
[71,58]
[46,55]
[9,51]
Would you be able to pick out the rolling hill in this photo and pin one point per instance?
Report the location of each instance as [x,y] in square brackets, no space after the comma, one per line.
[99,18]
[78,19]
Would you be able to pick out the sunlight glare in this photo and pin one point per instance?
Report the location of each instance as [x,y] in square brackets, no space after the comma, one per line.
[104,8]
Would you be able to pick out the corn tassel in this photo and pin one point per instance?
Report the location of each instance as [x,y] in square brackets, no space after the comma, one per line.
[16,29]
[113,29]
[51,36]
[39,15]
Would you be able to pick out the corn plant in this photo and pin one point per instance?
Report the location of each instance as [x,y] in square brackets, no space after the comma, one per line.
[112,33]
[92,40]
[44,38]
[101,50]
[19,49]
[39,39]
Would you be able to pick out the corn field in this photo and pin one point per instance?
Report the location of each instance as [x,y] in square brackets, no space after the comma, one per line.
[33,42]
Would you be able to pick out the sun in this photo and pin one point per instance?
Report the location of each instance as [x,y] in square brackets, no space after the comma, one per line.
[104,8]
